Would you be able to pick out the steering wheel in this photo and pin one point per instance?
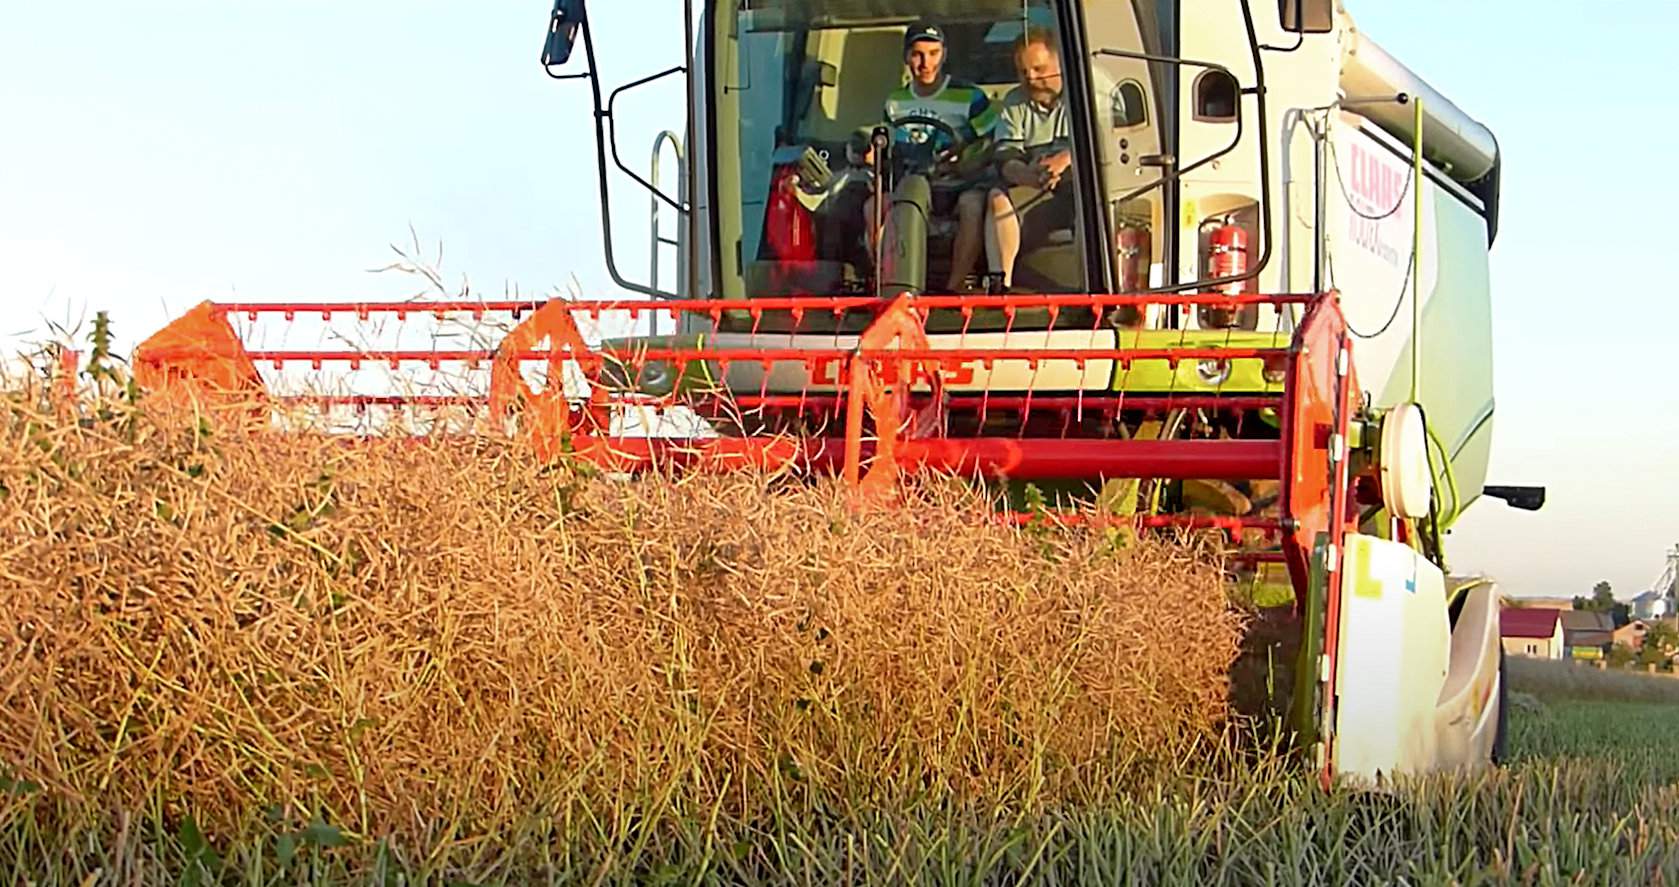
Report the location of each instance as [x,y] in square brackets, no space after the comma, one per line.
[946,156]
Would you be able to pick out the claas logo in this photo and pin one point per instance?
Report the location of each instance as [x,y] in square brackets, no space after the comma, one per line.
[827,372]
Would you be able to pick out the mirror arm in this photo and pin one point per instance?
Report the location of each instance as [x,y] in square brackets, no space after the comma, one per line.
[1299,34]
[601,169]
[612,123]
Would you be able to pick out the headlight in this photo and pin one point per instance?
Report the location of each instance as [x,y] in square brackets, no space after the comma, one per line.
[656,377]
[1213,372]
[1276,370]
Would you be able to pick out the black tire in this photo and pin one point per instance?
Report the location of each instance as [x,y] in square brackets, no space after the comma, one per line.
[1501,736]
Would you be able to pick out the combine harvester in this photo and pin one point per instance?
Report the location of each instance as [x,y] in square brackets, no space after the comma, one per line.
[1256,303]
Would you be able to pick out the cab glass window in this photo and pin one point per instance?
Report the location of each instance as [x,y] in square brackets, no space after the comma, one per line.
[800,88]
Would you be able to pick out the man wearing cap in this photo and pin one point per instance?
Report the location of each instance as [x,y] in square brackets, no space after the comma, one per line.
[966,109]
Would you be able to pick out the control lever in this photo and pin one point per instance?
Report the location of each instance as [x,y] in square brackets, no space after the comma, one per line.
[881,140]
[814,172]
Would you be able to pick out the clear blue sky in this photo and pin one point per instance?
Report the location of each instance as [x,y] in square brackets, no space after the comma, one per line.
[153,155]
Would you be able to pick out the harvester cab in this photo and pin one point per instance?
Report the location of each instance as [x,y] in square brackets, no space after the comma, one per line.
[1204,265]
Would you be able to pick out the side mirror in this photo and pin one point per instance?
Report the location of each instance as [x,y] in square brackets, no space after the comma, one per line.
[562,31]
[1307,16]
[1525,498]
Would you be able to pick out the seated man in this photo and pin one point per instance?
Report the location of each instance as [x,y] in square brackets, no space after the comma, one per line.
[967,110]
[1034,150]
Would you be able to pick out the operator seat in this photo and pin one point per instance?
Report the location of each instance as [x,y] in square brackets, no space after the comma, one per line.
[1056,266]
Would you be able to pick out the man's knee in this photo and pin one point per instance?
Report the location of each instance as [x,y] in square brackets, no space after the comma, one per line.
[1001,205]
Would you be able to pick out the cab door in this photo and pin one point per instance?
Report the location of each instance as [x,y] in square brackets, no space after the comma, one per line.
[1132,113]
[1218,190]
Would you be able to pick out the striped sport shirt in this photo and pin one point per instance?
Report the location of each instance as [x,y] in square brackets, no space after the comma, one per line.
[962,105]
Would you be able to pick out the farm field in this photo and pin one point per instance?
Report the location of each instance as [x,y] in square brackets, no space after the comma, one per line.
[1590,798]
[833,442]
[237,660]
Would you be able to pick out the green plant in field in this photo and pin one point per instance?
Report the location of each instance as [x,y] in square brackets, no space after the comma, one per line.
[1553,680]
[1585,801]
[1661,642]
[103,367]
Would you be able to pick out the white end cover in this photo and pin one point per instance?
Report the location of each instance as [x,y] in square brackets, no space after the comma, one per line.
[1393,654]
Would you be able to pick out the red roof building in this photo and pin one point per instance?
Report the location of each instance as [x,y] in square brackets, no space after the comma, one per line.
[1531,631]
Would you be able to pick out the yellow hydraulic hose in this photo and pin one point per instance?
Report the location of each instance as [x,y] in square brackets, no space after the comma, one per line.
[1416,257]
[1449,517]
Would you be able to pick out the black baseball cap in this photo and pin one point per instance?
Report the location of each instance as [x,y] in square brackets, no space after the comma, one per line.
[923,31]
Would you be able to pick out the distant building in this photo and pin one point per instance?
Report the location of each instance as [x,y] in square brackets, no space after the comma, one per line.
[1631,635]
[1651,605]
[1534,632]
[1660,599]
[1587,634]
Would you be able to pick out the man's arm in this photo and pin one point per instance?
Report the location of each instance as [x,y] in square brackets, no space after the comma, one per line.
[980,131]
[982,115]
[1054,166]
[1045,172]
[1011,149]
[1017,172]
[1014,161]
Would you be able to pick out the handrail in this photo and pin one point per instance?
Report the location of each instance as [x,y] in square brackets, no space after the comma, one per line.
[656,239]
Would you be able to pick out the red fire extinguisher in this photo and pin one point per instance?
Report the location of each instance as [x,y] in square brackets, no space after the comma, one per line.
[1134,246]
[1227,256]
[788,225]
[790,234]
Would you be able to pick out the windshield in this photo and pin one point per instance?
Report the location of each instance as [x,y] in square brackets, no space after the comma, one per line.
[972,98]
